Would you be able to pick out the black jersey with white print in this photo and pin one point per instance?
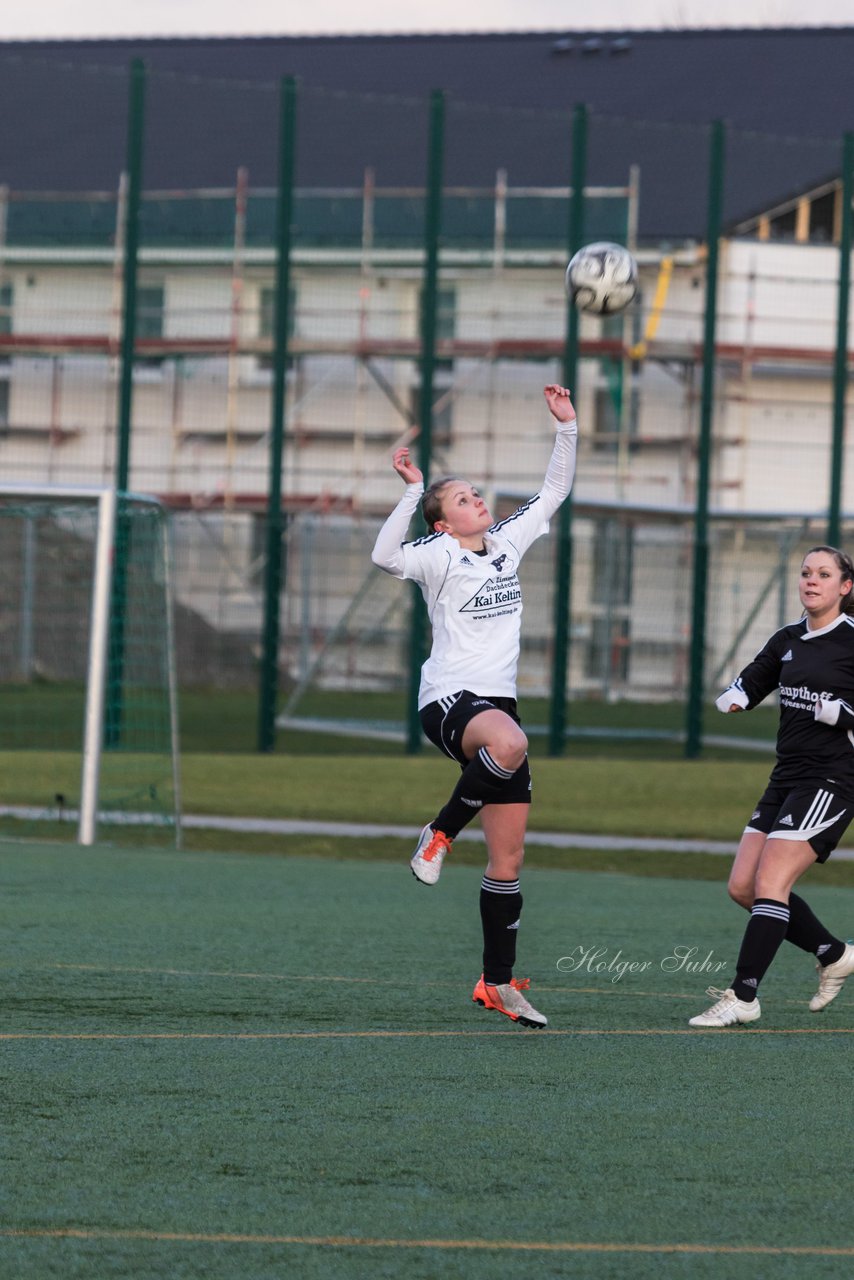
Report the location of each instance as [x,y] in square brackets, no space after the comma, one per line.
[474,599]
[814,673]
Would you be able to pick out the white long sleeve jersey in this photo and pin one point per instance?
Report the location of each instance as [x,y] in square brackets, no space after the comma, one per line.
[474,599]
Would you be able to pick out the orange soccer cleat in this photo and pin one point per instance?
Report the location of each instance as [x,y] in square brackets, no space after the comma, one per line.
[426,861]
[508,999]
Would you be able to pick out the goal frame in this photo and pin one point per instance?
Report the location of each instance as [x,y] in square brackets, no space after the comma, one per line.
[107,501]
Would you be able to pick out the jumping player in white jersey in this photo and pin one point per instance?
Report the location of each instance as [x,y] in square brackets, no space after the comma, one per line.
[809,800]
[467,571]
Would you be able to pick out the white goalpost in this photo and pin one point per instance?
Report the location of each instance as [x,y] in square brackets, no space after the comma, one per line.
[88,585]
[96,678]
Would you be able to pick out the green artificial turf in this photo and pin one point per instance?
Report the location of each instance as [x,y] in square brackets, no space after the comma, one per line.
[217,1065]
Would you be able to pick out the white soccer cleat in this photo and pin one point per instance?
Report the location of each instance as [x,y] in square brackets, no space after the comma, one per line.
[507,998]
[727,1011]
[426,861]
[831,978]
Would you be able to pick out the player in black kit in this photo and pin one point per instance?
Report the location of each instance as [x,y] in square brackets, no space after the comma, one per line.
[809,800]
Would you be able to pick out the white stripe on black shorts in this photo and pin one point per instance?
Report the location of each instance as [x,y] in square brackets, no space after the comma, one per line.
[444,723]
[810,812]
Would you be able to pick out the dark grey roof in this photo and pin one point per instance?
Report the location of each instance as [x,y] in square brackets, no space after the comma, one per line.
[787,94]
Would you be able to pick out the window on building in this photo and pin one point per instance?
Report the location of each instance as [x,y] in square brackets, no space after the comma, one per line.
[7,300]
[150,315]
[607,651]
[446,318]
[4,403]
[443,369]
[784,225]
[822,218]
[259,543]
[606,420]
[446,313]
[610,393]
[443,406]
[267,320]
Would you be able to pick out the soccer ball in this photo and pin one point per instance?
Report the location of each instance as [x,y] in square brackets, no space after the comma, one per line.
[602,278]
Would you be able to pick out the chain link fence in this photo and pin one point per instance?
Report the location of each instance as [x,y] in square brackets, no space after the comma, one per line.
[213,334]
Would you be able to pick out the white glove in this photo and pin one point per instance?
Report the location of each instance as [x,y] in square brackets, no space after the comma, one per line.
[827,710]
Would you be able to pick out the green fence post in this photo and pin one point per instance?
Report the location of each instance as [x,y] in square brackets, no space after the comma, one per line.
[696,688]
[274,577]
[563,558]
[135,135]
[429,293]
[840,361]
[114,702]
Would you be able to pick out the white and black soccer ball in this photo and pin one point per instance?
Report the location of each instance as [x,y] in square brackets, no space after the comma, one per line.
[602,278]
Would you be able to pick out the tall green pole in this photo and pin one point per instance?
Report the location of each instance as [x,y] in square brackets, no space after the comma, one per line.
[135,134]
[840,363]
[429,297]
[274,577]
[563,559]
[694,720]
[114,703]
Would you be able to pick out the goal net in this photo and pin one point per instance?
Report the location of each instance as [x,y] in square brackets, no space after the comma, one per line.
[88,730]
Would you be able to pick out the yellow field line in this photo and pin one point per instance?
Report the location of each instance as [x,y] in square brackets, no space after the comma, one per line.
[610,989]
[546,1032]
[607,989]
[231,973]
[311,977]
[322,977]
[367,1242]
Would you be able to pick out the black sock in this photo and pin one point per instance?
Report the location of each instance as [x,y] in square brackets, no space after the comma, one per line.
[481,782]
[807,932]
[500,908]
[766,929]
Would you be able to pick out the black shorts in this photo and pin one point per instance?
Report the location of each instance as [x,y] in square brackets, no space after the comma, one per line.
[809,812]
[444,723]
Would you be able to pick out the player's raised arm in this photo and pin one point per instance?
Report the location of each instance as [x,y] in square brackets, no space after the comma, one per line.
[560,472]
[387,553]
[405,467]
[559,402]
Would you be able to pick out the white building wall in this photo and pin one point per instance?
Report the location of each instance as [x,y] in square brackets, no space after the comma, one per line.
[202,422]
[778,295]
[191,430]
